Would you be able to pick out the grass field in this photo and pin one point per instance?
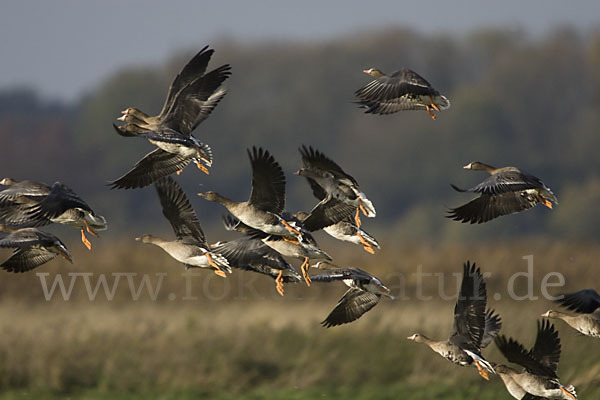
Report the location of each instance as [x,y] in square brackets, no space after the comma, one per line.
[237,339]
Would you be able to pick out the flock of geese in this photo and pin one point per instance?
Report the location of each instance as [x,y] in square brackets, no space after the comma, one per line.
[269,234]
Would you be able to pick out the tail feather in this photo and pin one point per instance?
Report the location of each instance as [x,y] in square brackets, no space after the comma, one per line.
[369,207]
[370,239]
[458,189]
[482,361]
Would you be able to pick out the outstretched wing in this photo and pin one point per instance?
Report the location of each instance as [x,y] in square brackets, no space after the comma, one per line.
[155,165]
[469,311]
[585,301]
[493,324]
[487,207]
[27,259]
[192,70]
[516,353]
[328,213]
[350,307]
[268,182]
[402,83]
[60,199]
[511,180]
[314,159]
[546,349]
[179,212]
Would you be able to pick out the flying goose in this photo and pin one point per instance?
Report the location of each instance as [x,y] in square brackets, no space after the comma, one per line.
[32,248]
[402,90]
[345,230]
[267,199]
[192,96]
[364,293]
[338,192]
[506,191]
[541,362]
[36,204]
[585,302]
[474,328]
[304,248]
[190,247]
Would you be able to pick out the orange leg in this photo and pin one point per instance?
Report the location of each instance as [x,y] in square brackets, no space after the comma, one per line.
[431,114]
[567,393]
[433,104]
[179,172]
[85,241]
[357,218]
[201,167]
[287,239]
[547,203]
[304,268]
[367,246]
[89,229]
[362,207]
[217,270]
[482,371]
[290,228]
[279,283]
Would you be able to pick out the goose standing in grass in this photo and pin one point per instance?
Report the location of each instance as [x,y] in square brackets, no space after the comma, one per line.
[36,204]
[474,328]
[540,363]
[267,199]
[338,192]
[585,302]
[32,248]
[345,230]
[192,96]
[402,90]
[506,191]
[304,248]
[190,247]
[364,293]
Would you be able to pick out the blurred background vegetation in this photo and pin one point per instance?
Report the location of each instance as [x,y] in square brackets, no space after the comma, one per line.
[516,100]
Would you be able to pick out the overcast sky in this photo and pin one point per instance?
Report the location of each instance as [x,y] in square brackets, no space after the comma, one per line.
[65,47]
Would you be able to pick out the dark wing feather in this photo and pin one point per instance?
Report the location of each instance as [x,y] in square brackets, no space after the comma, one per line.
[29,189]
[17,215]
[60,199]
[529,396]
[547,347]
[350,307]
[403,83]
[317,190]
[27,237]
[179,212]
[584,301]
[493,324]
[194,69]
[328,213]
[511,180]
[268,182]
[516,353]
[469,311]
[404,103]
[248,250]
[314,159]
[24,260]
[487,207]
[195,102]
[155,165]
[339,274]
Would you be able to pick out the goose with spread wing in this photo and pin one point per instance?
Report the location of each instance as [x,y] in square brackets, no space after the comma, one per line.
[32,248]
[507,190]
[399,91]
[541,362]
[190,247]
[474,327]
[345,230]
[192,97]
[304,248]
[364,293]
[252,254]
[338,192]
[585,302]
[263,211]
[26,204]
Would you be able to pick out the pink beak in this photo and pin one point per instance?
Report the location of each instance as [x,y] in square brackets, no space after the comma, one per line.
[546,314]
[468,166]
[367,71]
[122,117]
